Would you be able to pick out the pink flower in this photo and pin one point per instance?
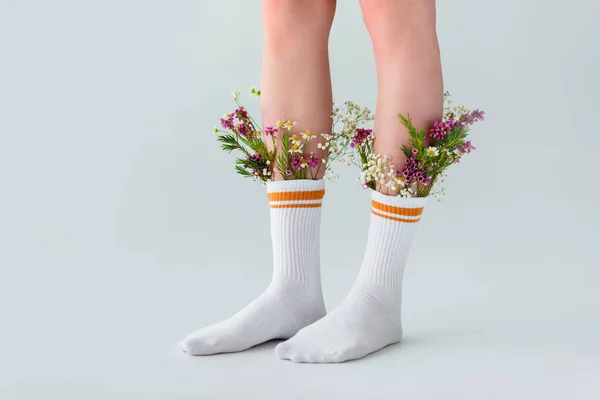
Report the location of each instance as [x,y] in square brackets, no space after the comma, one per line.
[413,171]
[296,162]
[243,130]
[313,160]
[270,130]
[227,123]
[241,113]
[467,147]
[360,136]
[471,117]
[440,129]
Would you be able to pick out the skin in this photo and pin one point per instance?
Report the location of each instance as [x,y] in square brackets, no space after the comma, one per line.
[296,83]
[409,70]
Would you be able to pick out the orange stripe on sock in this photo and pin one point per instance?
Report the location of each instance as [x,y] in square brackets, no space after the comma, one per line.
[408,221]
[290,196]
[313,205]
[407,212]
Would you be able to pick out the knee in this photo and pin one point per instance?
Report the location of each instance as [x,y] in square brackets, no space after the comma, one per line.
[297,19]
[390,20]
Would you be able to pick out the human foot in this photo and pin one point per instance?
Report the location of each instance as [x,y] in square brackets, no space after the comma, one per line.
[294,298]
[365,322]
[369,319]
[279,313]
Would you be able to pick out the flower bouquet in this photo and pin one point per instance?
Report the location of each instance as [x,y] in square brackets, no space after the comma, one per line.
[287,154]
[428,154]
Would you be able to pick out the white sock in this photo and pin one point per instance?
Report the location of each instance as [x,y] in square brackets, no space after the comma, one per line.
[369,318]
[294,298]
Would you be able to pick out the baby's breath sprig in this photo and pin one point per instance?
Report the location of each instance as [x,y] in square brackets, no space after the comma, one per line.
[349,132]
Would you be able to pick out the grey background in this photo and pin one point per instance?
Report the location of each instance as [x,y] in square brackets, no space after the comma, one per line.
[120,218]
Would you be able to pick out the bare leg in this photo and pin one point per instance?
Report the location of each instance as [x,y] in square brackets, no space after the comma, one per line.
[296,83]
[296,86]
[408,68]
[410,82]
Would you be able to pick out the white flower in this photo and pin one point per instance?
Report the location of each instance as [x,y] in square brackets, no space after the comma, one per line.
[432,151]
[296,148]
[268,162]
[405,193]
[289,124]
[308,135]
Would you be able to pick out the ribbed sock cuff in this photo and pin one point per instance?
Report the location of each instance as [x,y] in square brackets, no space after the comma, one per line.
[396,208]
[296,193]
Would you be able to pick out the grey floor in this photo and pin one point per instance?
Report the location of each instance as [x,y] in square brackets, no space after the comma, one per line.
[109,331]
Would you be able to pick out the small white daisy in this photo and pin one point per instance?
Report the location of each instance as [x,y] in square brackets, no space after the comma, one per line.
[308,135]
[432,151]
[296,148]
[290,124]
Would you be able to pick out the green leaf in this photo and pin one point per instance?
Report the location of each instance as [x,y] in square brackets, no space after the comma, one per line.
[240,170]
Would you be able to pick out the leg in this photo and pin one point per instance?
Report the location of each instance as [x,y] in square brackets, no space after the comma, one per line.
[408,68]
[408,64]
[296,83]
[295,67]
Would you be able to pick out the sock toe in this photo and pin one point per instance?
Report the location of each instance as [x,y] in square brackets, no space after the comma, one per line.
[198,346]
[182,346]
[284,350]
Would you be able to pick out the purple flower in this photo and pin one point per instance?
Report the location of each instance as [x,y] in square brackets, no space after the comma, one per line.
[467,147]
[241,113]
[227,123]
[415,151]
[471,117]
[413,171]
[296,162]
[270,130]
[360,136]
[440,129]
[256,157]
[313,160]
[288,172]
[242,130]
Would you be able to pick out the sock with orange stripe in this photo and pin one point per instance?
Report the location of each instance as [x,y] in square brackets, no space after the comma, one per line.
[369,318]
[294,299]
